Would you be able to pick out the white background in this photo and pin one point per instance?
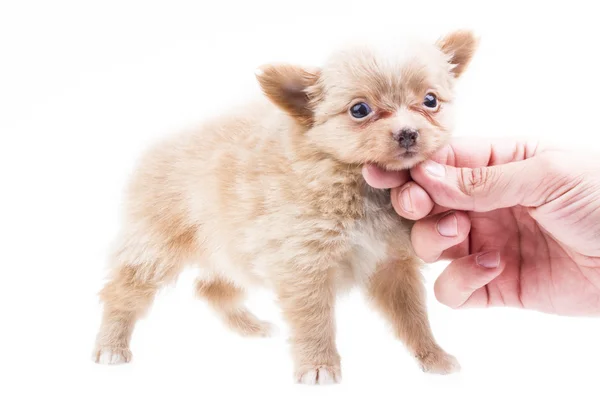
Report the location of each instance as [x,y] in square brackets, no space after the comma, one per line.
[86,86]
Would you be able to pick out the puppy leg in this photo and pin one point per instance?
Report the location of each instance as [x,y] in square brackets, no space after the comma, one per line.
[308,308]
[126,297]
[228,301]
[398,291]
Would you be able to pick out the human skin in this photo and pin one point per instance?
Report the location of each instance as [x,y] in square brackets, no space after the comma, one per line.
[520,223]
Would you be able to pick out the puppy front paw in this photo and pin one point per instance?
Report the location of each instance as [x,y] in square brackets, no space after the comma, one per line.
[438,361]
[318,375]
[111,355]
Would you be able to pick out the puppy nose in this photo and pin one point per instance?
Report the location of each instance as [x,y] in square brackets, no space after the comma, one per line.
[407,137]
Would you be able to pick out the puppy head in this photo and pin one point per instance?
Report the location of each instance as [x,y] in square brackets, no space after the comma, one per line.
[367,105]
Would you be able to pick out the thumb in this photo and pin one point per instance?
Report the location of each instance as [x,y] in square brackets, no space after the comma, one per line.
[483,189]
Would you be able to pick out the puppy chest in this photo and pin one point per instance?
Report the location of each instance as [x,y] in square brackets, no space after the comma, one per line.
[369,248]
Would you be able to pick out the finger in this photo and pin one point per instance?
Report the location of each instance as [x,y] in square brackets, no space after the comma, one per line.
[462,283]
[436,234]
[411,201]
[480,152]
[484,188]
[381,179]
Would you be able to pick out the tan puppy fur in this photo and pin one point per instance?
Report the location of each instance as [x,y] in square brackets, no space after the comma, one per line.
[273,195]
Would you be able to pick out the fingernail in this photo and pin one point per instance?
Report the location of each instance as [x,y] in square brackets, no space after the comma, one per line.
[434,168]
[447,226]
[489,260]
[405,200]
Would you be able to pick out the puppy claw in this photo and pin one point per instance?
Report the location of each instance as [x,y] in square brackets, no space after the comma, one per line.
[112,355]
[439,362]
[319,375]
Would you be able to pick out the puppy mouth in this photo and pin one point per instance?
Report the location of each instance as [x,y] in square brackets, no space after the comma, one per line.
[400,159]
[405,154]
[405,158]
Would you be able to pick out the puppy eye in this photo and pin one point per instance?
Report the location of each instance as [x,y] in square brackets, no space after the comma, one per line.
[430,101]
[360,110]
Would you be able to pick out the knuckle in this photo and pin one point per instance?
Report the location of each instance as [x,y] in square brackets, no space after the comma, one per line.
[476,181]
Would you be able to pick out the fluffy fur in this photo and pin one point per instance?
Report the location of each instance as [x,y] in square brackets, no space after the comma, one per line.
[273,195]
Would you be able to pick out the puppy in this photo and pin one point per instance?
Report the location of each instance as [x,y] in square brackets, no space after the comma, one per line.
[273,195]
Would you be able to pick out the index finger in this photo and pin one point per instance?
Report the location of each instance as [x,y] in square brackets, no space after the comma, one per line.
[470,152]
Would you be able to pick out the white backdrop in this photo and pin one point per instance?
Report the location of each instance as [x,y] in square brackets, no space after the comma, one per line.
[86,86]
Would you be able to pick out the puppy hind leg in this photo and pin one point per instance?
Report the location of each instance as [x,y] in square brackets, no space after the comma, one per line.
[127,297]
[228,301]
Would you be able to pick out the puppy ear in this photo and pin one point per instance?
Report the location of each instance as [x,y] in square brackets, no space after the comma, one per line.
[291,88]
[460,47]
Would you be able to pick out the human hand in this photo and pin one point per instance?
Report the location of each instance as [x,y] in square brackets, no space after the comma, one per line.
[520,224]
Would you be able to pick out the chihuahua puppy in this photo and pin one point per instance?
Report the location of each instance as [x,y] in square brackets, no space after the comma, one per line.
[273,195]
